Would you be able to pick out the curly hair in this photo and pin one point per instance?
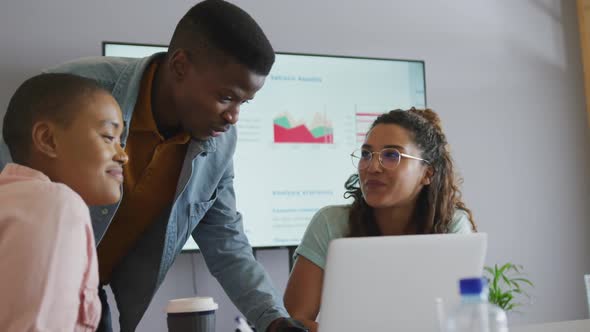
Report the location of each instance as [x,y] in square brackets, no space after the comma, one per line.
[437,202]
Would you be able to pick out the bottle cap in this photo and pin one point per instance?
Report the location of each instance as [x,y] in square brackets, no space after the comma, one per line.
[473,286]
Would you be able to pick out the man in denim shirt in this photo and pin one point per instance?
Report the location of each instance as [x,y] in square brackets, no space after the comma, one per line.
[180,108]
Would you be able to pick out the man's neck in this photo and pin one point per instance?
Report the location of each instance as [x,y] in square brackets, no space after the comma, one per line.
[163,108]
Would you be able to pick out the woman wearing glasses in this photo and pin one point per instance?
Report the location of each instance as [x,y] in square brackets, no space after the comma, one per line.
[405,185]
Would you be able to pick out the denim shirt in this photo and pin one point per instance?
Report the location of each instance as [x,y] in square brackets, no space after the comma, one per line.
[204,206]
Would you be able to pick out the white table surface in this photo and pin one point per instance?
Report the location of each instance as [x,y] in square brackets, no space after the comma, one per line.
[568,326]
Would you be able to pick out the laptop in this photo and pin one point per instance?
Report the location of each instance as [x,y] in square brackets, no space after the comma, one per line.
[393,283]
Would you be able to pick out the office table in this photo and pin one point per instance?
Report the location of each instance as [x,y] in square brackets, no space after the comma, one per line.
[567,326]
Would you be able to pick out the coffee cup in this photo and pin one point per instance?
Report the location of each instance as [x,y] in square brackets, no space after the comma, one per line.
[193,314]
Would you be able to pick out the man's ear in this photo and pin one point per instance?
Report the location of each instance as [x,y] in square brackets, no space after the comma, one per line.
[179,63]
[43,138]
[428,174]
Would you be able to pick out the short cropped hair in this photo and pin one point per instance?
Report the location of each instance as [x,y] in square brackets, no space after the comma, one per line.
[52,97]
[214,27]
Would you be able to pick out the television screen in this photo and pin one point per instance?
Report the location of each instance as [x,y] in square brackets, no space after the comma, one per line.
[296,136]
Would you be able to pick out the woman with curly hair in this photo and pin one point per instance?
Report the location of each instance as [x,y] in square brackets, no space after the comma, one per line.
[405,184]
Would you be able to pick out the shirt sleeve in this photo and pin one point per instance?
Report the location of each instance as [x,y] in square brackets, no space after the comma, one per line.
[228,255]
[314,245]
[49,260]
[460,223]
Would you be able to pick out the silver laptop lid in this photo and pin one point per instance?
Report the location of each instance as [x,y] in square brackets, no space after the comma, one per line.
[391,283]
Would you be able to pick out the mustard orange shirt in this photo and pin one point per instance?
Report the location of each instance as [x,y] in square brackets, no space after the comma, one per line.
[150,182]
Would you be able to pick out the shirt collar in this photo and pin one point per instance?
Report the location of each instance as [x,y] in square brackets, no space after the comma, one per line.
[143,120]
[20,171]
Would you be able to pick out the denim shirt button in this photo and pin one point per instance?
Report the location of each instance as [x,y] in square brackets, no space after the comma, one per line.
[104,211]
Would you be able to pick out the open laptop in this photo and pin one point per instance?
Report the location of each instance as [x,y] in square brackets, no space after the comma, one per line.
[391,283]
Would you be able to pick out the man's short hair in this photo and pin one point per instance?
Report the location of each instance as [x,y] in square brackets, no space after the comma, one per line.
[217,27]
[52,97]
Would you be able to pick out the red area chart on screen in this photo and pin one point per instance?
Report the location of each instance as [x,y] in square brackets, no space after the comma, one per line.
[287,130]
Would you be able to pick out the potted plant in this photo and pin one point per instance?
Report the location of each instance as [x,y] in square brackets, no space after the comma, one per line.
[507,285]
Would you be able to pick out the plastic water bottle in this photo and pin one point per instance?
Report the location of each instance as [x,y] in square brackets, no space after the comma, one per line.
[475,313]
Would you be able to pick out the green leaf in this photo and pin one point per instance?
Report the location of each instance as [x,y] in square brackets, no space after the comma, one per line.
[526,281]
[506,283]
[504,268]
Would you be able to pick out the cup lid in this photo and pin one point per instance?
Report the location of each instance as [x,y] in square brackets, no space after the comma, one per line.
[191,304]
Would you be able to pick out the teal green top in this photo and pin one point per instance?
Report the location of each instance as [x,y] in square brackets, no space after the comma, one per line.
[331,222]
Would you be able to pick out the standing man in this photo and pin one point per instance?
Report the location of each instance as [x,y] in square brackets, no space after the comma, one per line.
[180,108]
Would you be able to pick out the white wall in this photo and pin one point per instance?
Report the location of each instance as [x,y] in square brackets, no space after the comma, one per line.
[504,75]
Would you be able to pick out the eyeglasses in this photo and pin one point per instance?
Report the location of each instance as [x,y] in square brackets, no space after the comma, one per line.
[389,158]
